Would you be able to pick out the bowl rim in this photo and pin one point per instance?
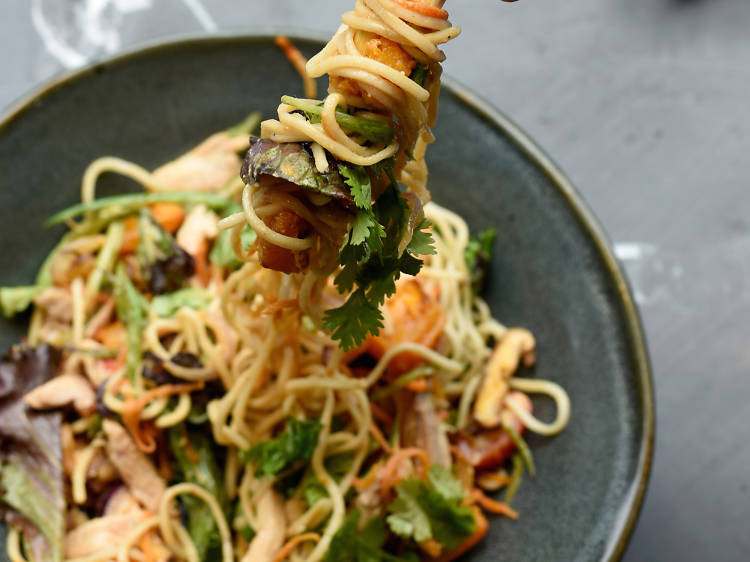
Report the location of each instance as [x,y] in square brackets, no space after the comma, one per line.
[637,346]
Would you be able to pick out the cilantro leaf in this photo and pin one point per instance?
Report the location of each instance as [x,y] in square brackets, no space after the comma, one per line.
[351,322]
[296,443]
[358,180]
[422,243]
[478,256]
[352,545]
[433,509]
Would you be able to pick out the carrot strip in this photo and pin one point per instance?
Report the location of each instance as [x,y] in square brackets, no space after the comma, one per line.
[422,9]
[418,385]
[202,270]
[471,541]
[501,508]
[131,412]
[168,215]
[378,436]
[147,548]
[287,549]
[389,475]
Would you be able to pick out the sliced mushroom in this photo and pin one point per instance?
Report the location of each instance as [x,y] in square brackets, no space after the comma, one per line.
[70,388]
[517,345]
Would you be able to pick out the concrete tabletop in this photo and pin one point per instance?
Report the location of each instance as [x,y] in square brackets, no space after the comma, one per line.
[645,104]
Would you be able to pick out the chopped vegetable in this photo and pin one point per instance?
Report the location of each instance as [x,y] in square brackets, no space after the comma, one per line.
[515,478]
[431,510]
[14,300]
[131,202]
[30,453]
[168,305]
[523,449]
[131,307]
[478,255]
[296,443]
[222,252]
[247,126]
[371,128]
[203,470]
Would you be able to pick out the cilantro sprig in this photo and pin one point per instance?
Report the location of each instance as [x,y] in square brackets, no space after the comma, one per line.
[370,257]
[296,443]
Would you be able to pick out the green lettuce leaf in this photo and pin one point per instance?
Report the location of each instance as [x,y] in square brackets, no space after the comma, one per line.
[296,443]
[14,300]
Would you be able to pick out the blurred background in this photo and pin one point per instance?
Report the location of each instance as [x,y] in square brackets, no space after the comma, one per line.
[645,104]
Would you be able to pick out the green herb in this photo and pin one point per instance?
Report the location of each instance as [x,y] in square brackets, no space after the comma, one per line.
[296,443]
[167,305]
[206,474]
[131,202]
[336,466]
[419,74]
[478,255]
[14,300]
[165,265]
[371,128]
[131,309]
[523,449]
[349,544]
[247,533]
[371,260]
[431,510]
[515,478]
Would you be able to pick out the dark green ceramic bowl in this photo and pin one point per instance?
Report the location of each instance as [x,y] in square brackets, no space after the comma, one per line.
[554,271]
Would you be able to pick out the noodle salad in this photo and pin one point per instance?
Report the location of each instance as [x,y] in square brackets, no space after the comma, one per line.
[314,376]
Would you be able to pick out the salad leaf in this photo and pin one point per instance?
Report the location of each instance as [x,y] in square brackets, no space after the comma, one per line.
[204,472]
[432,509]
[31,479]
[293,162]
[296,443]
[14,300]
[168,305]
[349,544]
[478,255]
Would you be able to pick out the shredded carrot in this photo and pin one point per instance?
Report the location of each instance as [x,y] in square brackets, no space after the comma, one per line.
[388,477]
[499,479]
[422,9]
[501,508]
[418,385]
[274,307]
[202,270]
[291,544]
[470,542]
[299,62]
[381,414]
[131,412]
[378,436]
[147,548]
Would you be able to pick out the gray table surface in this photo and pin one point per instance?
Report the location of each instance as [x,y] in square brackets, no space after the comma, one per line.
[645,104]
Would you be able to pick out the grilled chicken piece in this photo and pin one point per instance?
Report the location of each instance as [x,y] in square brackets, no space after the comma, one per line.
[65,389]
[270,536]
[134,467]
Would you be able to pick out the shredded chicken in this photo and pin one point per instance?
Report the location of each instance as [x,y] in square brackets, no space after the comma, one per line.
[122,502]
[517,345]
[272,527]
[420,426]
[70,388]
[208,167]
[134,467]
